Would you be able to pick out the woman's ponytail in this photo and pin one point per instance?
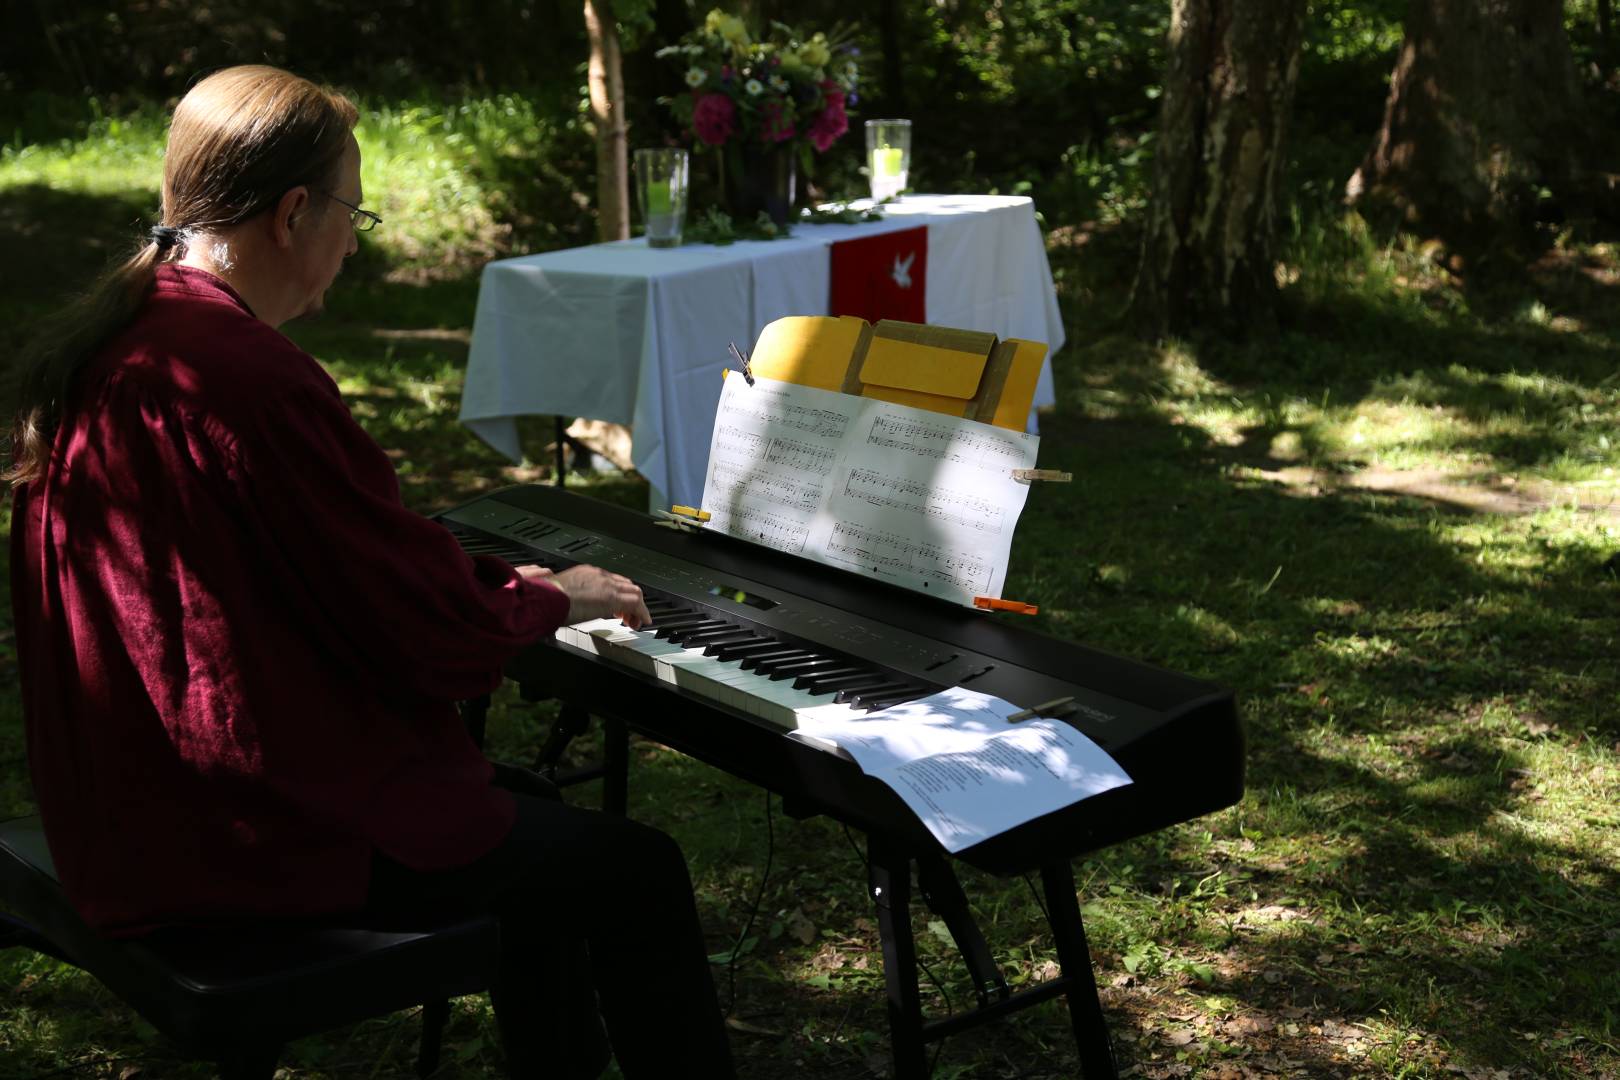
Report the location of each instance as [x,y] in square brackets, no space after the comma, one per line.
[66,342]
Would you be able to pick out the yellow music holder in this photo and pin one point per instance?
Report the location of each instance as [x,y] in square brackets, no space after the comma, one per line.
[966,373]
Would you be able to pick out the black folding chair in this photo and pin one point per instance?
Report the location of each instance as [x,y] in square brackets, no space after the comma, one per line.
[235,995]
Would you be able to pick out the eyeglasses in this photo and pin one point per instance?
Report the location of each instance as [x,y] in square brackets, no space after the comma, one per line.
[362,220]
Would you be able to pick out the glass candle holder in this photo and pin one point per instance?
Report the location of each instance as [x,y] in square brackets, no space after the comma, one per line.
[888,156]
[661,194]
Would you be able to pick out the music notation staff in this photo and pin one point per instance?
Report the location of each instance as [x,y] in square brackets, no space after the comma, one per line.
[917,497]
[769,406]
[781,531]
[734,483]
[733,441]
[804,456]
[981,449]
[868,549]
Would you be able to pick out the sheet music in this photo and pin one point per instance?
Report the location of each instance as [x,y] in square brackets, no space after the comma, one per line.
[914,497]
[966,771]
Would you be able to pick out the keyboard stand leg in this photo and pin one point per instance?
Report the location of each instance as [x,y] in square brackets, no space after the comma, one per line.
[562,451]
[1074,957]
[890,890]
[615,766]
[572,722]
[943,894]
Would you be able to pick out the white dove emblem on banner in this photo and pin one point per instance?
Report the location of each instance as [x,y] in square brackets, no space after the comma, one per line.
[902,270]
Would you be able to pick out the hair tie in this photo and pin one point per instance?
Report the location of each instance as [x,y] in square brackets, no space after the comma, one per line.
[164,236]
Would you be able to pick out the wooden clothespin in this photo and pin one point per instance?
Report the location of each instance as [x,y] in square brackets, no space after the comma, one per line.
[684,522]
[1024,476]
[1053,707]
[738,355]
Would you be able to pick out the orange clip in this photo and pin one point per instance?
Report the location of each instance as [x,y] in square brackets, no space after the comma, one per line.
[995,603]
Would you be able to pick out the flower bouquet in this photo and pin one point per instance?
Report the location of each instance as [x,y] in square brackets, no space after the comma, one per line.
[763,107]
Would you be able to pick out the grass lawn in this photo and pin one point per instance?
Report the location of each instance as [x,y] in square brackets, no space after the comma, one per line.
[1392,529]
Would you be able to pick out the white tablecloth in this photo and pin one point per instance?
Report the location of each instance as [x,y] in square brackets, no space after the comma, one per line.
[635,335]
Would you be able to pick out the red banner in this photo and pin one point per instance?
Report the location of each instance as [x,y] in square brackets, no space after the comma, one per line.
[882,277]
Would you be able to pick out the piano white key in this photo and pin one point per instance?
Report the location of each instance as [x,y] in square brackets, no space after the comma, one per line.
[688,668]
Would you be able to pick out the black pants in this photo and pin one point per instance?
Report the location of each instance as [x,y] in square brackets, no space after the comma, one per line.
[597,919]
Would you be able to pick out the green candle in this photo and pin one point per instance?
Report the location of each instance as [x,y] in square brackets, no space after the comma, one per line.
[658,200]
[887,161]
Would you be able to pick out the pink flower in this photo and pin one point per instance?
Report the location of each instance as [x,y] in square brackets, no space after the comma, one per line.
[714,118]
[777,127]
[830,126]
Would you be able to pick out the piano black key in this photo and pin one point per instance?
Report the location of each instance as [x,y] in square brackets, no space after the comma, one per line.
[733,650]
[831,678]
[687,622]
[871,700]
[724,630]
[796,665]
[853,695]
[762,661]
[778,672]
[665,627]
[761,645]
[849,682]
[686,634]
[711,643]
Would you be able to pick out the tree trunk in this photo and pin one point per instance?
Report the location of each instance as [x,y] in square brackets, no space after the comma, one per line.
[1207,247]
[889,36]
[606,78]
[1483,118]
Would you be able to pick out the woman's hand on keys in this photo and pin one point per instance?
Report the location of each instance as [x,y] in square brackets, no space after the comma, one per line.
[594,593]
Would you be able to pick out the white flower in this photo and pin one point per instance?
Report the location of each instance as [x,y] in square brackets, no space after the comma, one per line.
[668,50]
[696,77]
[852,72]
[754,87]
[779,84]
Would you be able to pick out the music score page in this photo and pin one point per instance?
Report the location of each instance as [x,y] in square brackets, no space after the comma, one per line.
[917,498]
[963,768]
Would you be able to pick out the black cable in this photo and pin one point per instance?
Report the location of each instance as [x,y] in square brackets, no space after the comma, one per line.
[736,950]
[1038,901]
[859,854]
[939,1045]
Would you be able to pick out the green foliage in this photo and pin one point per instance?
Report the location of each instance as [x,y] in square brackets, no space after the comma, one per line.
[459,183]
[88,149]
[155,48]
[715,226]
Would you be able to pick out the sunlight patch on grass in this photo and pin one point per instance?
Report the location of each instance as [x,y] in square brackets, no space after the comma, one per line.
[1213,630]
[117,154]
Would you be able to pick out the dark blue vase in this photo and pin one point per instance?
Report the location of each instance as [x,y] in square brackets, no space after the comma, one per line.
[758,177]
